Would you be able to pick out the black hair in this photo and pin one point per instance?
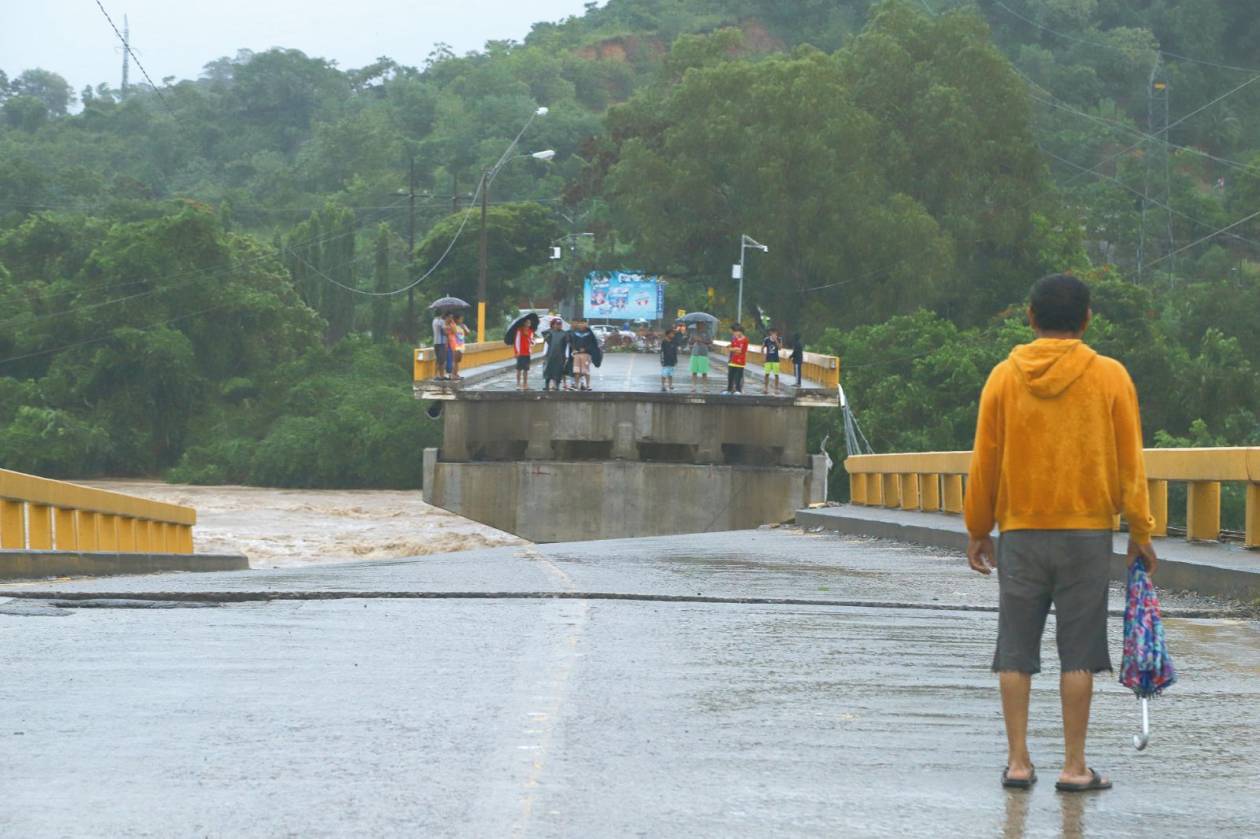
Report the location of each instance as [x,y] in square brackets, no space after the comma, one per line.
[735,327]
[1060,303]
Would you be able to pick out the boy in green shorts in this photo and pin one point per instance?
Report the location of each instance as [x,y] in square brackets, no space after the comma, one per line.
[700,344]
[770,347]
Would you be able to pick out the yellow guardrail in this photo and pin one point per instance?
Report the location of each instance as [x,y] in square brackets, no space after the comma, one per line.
[934,481]
[424,359]
[819,368]
[39,514]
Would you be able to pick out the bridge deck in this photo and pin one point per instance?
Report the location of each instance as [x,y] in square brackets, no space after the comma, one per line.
[637,375]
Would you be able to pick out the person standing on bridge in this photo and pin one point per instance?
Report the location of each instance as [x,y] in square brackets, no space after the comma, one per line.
[771,346]
[557,355]
[700,344]
[584,345]
[736,361]
[1058,454]
[669,360]
[439,343]
[798,357]
[523,348]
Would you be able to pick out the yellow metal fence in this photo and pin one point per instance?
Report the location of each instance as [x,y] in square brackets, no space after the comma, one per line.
[44,515]
[424,359]
[934,481]
[818,368]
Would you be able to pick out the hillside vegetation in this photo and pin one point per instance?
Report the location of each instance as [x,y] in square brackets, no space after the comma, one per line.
[179,266]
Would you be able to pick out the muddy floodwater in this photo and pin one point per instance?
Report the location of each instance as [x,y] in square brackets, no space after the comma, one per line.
[282,528]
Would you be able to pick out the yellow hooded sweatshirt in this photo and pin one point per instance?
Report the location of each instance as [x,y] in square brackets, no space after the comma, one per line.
[1058,444]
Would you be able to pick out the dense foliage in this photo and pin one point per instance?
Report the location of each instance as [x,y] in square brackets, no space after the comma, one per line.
[178,267]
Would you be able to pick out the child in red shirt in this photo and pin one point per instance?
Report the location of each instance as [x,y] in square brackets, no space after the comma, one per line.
[524,347]
[738,360]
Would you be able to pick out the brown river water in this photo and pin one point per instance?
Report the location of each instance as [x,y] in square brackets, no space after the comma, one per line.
[284,528]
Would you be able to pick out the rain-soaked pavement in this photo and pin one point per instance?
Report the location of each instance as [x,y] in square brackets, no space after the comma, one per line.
[494,712]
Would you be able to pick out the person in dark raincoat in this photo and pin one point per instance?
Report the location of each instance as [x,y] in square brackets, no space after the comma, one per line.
[557,356]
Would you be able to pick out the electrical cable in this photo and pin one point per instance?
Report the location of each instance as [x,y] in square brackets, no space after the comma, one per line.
[1211,235]
[184,277]
[1104,45]
[1161,205]
[136,59]
[100,338]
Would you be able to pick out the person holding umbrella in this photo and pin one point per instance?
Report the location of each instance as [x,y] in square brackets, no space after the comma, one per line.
[439,342]
[442,309]
[520,336]
[1058,453]
[700,344]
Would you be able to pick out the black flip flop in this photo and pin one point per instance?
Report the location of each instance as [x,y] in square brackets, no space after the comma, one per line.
[1018,783]
[1095,782]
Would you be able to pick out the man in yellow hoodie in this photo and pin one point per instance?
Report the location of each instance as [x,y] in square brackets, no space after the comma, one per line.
[1058,455]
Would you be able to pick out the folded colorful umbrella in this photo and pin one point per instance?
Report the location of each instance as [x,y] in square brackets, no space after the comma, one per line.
[1147,668]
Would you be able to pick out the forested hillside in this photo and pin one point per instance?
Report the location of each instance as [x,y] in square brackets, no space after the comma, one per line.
[181,266]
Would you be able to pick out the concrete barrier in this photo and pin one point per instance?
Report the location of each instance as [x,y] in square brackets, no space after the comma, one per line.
[33,565]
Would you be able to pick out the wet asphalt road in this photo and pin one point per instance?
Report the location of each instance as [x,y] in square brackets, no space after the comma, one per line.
[507,717]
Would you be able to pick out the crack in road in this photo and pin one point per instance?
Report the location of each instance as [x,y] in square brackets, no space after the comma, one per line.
[76,599]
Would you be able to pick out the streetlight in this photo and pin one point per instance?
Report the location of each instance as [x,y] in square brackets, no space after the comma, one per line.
[487,178]
[737,271]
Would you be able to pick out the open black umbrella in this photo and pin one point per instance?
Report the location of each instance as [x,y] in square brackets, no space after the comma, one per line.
[444,303]
[700,317]
[531,318]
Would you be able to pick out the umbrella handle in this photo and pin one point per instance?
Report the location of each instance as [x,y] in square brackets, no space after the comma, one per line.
[1140,740]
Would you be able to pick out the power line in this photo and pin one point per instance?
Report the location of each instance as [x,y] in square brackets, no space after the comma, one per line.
[100,338]
[441,259]
[1212,235]
[1105,45]
[166,285]
[127,46]
[1123,185]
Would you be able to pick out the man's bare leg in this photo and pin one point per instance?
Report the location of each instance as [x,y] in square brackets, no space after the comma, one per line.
[1076,691]
[1016,688]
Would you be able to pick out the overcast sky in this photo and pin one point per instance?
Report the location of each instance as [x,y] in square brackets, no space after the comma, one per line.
[178,37]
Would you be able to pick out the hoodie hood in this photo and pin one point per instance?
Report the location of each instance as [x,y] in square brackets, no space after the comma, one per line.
[1049,366]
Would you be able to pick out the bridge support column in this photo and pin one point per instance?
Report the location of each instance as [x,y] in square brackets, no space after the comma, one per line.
[429,474]
[1252,525]
[624,447]
[910,492]
[953,493]
[39,527]
[930,493]
[66,538]
[1203,511]
[454,432]
[857,487]
[892,490]
[1158,491]
[12,524]
[539,447]
[818,480]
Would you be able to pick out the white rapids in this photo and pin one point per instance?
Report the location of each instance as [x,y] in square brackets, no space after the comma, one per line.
[283,528]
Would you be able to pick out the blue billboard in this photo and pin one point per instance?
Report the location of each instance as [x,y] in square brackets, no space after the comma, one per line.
[623,295]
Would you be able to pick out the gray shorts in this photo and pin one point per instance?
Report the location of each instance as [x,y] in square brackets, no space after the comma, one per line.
[1068,568]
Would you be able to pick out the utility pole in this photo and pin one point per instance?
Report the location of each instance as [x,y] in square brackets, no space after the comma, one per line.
[126,54]
[481,260]
[737,271]
[411,247]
